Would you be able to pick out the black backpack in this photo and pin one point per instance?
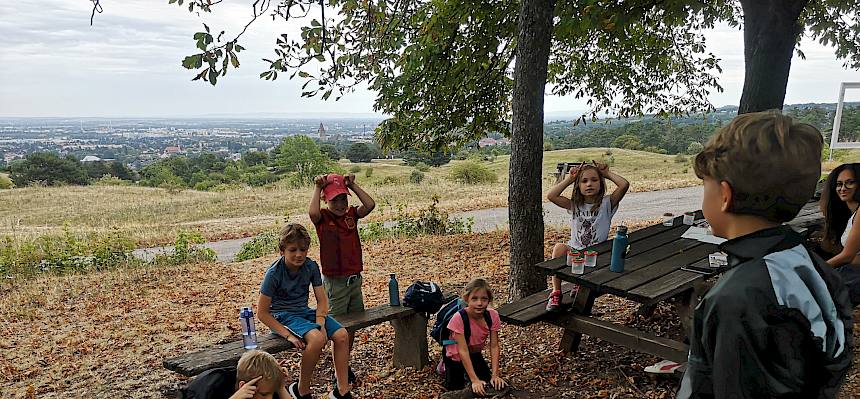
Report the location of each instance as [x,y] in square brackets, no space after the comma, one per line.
[440,332]
[424,297]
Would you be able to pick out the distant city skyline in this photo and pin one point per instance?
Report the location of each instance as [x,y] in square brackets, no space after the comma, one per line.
[128,65]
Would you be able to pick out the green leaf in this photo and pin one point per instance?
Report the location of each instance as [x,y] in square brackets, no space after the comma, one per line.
[303,74]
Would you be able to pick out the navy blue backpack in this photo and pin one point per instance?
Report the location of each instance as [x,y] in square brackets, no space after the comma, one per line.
[440,332]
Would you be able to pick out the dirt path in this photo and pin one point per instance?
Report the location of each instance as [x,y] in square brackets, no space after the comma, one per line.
[635,206]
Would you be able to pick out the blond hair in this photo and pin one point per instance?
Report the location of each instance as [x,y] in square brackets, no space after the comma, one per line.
[477,284]
[771,163]
[256,363]
[293,233]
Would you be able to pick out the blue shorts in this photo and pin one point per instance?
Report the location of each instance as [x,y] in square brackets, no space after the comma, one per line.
[299,322]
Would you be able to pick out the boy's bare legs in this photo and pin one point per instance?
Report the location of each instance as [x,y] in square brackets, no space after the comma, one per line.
[554,300]
[315,341]
[340,352]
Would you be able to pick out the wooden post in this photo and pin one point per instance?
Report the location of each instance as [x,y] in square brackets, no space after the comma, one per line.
[410,341]
[582,305]
[687,303]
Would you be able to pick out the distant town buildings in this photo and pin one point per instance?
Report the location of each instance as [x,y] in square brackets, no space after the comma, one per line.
[485,142]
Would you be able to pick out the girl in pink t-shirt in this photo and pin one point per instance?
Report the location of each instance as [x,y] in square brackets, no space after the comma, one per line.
[464,360]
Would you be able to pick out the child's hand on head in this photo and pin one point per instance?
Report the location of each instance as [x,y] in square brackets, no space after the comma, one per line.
[574,170]
[320,181]
[349,179]
[246,391]
[602,167]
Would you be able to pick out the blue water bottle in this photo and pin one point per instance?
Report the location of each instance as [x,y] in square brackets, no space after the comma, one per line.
[393,291]
[249,332]
[619,250]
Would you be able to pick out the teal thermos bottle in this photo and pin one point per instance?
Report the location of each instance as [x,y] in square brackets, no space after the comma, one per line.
[393,291]
[619,249]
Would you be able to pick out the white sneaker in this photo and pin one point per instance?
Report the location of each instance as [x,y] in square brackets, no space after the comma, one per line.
[663,367]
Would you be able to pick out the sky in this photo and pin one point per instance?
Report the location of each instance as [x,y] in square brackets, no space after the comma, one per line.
[128,64]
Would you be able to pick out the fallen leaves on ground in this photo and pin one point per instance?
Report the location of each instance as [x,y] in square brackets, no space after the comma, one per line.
[106,334]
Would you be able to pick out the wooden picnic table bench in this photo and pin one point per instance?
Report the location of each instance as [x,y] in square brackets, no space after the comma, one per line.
[660,265]
[410,341]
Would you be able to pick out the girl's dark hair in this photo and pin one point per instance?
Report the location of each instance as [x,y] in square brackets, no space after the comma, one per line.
[836,212]
[475,284]
[577,198]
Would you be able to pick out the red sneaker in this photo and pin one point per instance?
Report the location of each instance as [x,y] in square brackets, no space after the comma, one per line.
[554,302]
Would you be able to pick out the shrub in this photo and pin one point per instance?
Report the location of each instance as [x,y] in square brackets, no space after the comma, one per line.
[261,245]
[695,148]
[416,177]
[422,167]
[430,220]
[368,172]
[68,252]
[470,172]
[106,180]
[6,182]
[355,169]
[187,249]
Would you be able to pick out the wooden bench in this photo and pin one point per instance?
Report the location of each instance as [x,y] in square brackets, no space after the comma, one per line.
[532,309]
[410,341]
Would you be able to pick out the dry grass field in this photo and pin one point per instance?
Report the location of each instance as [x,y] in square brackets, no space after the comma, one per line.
[153,216]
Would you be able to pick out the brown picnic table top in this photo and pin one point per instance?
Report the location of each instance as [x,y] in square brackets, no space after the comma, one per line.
[660,263]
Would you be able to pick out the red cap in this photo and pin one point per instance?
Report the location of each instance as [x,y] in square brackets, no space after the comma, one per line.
[335,185]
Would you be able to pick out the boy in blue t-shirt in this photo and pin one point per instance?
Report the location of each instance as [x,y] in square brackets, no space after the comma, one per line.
[283,307]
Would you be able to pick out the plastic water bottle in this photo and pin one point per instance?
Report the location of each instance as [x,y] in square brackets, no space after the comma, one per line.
[619,250]
[393,291]
[249,332]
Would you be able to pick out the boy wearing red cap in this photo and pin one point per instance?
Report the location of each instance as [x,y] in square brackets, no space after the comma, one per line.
[340,247]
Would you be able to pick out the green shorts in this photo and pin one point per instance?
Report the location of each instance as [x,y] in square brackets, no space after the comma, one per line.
[344,294]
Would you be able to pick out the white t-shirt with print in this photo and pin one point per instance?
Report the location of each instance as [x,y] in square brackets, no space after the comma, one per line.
[588,227]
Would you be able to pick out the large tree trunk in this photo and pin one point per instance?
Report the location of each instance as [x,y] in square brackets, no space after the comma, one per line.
[770,33]
[525,209]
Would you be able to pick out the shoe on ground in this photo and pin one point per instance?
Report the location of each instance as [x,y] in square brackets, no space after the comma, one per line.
[293,390]
[335,394]
[663,367]
[554,302]
[350,378]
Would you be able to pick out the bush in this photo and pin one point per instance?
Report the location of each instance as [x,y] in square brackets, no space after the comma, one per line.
[64,253]
[261,245]
[680,158]
[695,148]
[470,172]
[416,177]
[355,169]
[106,180]
[6,182]
[430,220]
[187,249]
[422,167]
[368,172]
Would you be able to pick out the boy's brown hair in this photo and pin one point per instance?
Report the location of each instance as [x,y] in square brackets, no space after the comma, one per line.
[256,363]
[771,163]
[293,233]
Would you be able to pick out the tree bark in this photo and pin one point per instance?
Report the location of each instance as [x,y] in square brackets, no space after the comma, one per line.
[771,30]
[525,211]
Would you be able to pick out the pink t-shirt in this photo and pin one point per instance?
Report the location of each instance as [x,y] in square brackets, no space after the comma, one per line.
[478,334]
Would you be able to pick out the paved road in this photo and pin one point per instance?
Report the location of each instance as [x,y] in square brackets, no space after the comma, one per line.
[635,206]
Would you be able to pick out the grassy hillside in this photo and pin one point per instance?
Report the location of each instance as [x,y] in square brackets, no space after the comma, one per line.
[153,216]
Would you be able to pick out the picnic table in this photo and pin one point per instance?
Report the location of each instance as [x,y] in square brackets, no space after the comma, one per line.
[660,265]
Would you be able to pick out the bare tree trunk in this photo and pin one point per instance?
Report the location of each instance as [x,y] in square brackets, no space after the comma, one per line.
[771,30]
[525,209]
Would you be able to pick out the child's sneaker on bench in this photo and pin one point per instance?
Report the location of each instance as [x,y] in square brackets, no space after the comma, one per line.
[554,302]
[293,390]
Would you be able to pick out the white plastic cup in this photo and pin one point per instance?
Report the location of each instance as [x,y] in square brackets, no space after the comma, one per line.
[590,258]
[668,219]
[571,255]
[689,218]
[578,266]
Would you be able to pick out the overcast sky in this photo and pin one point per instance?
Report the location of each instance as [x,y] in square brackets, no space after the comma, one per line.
[52,63]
